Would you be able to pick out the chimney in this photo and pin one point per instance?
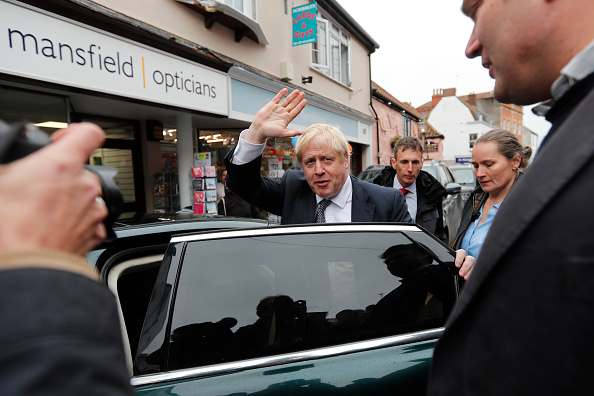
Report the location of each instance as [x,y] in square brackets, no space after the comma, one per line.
[437,94]
[472,99]
[449,92]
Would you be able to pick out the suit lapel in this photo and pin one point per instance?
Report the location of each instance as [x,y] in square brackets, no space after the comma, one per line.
[304,206]
[550,171]
[361,209]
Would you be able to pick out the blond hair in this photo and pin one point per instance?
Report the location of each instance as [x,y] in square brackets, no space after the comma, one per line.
[323,134]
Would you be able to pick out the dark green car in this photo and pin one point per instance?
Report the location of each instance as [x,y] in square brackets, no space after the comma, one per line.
[343,309]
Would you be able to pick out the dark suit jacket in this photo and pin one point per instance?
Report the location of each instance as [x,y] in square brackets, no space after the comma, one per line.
[293,199]
[60,335]
[430,195]
[524,322]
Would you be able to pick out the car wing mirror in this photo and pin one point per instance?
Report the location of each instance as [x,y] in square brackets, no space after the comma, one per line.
[453,188]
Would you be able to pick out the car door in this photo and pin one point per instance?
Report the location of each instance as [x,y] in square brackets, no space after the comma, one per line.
[346,308]
[452,203]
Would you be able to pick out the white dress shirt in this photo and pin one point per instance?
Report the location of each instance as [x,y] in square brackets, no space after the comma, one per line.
[339,211]
[411,197]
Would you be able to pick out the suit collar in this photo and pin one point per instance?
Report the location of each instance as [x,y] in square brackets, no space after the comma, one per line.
[550,171]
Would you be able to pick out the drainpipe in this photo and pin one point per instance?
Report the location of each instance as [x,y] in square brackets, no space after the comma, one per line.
[374,112]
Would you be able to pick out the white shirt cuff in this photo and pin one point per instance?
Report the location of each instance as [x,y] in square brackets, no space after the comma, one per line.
[245,151]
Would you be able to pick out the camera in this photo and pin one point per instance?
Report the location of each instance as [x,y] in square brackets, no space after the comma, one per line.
[20,140]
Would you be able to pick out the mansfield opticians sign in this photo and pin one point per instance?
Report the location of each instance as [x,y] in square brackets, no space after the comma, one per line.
[50,48]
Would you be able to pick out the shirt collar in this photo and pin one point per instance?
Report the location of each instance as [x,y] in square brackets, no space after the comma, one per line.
[411,189]
[343,197]
[581,66]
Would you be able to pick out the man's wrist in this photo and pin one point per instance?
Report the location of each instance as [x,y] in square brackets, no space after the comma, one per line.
[47,258]
[253,136]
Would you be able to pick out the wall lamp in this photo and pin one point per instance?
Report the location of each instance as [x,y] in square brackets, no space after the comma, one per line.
[305,80]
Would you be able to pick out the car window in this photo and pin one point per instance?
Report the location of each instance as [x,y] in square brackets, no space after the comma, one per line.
[443,177]
[431,170]
[463,176]
[449,176]
[369,174]
[251,297]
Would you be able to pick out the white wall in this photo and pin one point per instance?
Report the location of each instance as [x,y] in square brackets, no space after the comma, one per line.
[454,120]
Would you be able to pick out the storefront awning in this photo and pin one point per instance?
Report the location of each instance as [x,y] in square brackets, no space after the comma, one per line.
[217,11]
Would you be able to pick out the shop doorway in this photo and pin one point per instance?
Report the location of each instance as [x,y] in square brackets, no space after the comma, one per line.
[121,151]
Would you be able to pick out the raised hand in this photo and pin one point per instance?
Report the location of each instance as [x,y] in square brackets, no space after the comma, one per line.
[272,120]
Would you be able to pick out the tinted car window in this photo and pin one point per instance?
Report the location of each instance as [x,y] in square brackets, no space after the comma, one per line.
[250,297]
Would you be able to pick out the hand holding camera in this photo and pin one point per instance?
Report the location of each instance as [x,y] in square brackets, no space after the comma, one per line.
[49,199]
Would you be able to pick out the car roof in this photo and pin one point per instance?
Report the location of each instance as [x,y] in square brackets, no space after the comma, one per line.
[177,224]
[155,236]
[461,166]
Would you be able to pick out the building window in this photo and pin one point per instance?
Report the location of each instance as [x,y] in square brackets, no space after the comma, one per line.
[246,7]
[331,54]
[472,139]
[405,126]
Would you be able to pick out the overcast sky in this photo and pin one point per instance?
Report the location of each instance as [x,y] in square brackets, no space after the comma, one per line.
[422,46]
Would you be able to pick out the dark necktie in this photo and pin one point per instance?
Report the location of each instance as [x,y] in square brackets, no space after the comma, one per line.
[321,210]
[404,191]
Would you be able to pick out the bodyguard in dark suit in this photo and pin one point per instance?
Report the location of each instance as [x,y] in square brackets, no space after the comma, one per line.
[423,193]
[323,152]
[523,325]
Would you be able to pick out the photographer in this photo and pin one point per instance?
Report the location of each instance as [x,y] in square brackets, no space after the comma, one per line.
[58,326]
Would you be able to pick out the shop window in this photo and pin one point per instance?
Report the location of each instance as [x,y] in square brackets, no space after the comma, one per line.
[218,143]
[121,150]
[121,159]
[331,54]
[166,185]
[18,105]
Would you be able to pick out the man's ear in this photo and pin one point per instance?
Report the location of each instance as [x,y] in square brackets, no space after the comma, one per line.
[393,162]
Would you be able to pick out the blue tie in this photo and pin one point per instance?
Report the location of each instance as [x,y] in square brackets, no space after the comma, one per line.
[321,210]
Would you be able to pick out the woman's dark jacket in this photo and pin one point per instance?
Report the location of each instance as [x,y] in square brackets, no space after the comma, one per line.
[430,195]
[475,200]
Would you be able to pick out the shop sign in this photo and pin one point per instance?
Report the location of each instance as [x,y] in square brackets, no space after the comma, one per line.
[305,26]
[50,48]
